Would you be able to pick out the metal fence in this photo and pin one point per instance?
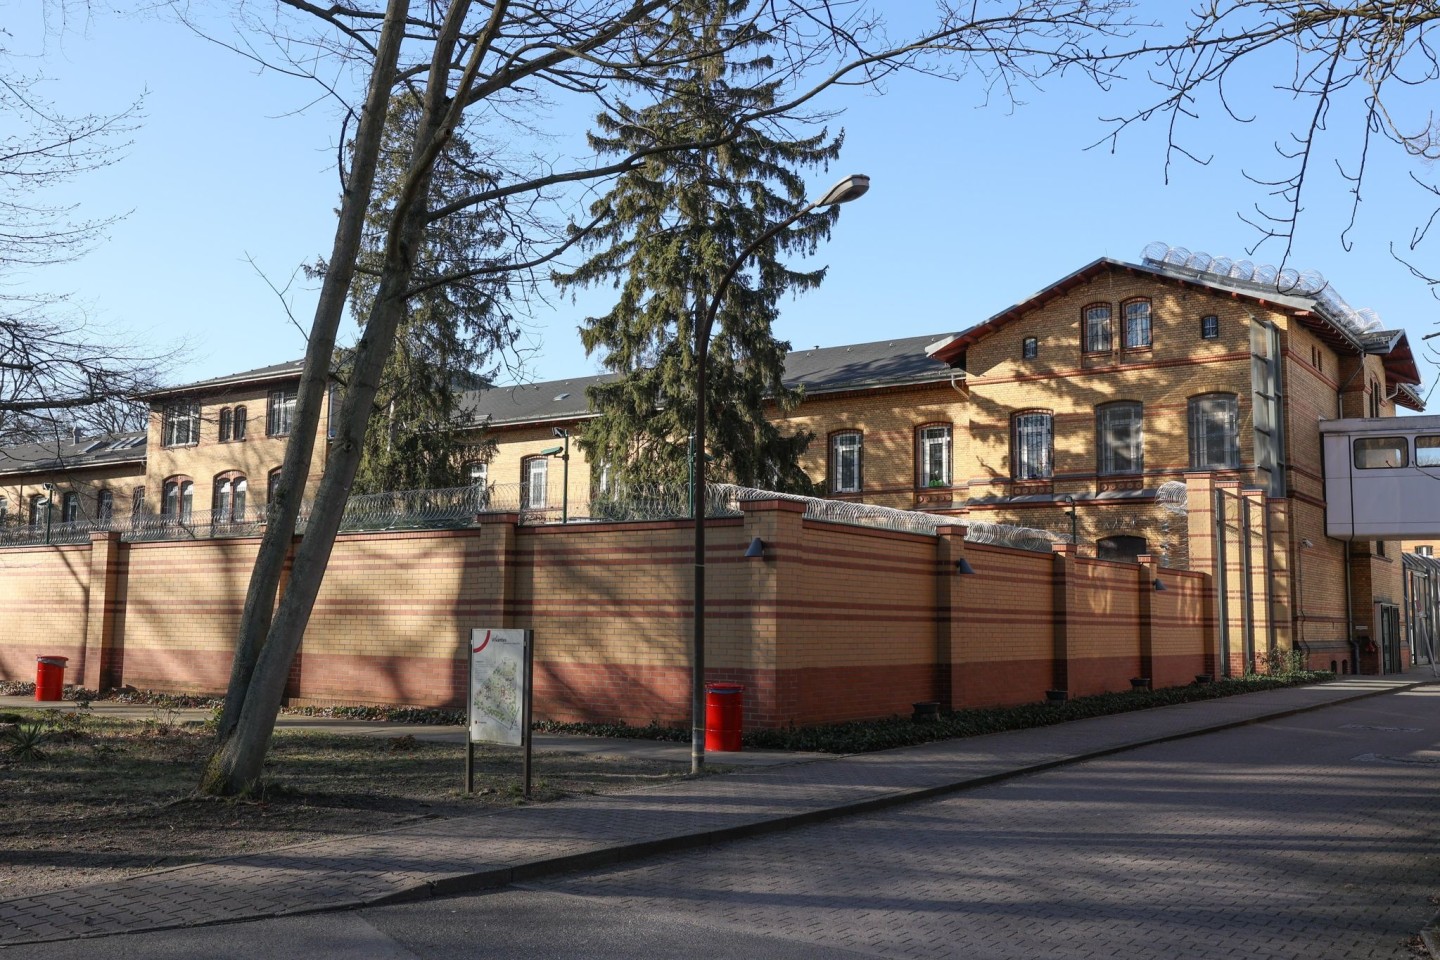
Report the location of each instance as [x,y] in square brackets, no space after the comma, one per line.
[458,507]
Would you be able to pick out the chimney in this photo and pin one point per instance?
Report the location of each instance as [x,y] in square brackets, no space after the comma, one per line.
[75,435]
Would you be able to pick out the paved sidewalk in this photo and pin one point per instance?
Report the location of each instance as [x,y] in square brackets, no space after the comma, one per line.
[499,847]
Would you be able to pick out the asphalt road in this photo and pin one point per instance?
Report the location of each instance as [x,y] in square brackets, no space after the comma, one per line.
[1313,836]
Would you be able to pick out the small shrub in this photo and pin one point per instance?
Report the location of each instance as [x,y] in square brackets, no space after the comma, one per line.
[25,742]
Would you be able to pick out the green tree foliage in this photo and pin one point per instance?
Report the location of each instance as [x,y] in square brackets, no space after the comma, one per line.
[420,434]
[677,222]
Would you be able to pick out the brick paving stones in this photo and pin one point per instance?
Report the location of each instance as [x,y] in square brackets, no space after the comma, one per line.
[496,848]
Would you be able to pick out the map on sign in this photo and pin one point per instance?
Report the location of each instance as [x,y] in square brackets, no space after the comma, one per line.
[497,686]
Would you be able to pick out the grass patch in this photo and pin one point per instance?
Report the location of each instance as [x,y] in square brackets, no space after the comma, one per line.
[113,796]
[862,736]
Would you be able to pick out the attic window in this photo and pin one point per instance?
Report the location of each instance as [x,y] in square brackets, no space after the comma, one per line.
[561,397]
[1029,348]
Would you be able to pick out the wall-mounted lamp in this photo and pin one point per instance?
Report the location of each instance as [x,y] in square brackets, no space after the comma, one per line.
[1159,587]
[756,550]
[962,567]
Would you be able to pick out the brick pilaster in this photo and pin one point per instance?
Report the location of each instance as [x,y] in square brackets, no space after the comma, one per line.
[950,590]
[100,668]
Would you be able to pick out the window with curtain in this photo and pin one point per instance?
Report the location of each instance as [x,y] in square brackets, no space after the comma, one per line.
[178,497]
[1097,328]
[280,412]
[1214,432]
[1120,438]
[1031,445]
[1137,324]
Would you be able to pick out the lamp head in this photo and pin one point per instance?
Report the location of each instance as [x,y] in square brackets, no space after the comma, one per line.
[850,188]
[551,451]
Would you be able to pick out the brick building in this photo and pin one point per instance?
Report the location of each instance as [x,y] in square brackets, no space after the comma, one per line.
[1071,409]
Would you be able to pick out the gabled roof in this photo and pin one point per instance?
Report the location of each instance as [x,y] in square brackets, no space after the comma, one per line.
[1310,311]
[73,455]
[278,371]
[820,370]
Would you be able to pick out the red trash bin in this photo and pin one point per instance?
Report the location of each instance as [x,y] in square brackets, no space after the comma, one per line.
[50,678]
[724,716]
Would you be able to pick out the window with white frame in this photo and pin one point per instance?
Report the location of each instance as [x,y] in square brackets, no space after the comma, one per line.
[178,496]
[39,505]
[228,503]
[1214,432]
[280,412]
[1097,328]
[70,507]
[105,506]
[846,461]
[534,477]
[182,424]
[933,455]
[1032,443]
[1120,438]
[1137,324]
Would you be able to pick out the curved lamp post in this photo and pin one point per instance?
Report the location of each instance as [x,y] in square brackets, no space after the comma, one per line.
[846,190]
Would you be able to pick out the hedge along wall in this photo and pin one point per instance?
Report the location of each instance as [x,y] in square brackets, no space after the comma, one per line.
[833,623]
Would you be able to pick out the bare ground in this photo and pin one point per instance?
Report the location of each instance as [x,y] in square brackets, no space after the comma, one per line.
[113,798]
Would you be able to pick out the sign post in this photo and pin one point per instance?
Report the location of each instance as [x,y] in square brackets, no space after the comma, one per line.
[501,678]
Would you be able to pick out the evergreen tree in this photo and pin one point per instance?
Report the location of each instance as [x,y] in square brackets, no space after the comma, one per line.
[419,435]
[678,222]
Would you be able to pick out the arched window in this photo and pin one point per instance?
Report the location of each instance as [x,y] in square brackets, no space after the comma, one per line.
[1120,438]
[272,486]
[178,496]
[70,507]
[1137,323]
[1214,432]
[228,503]
[1031,446]
[105,506]
[1096,335]
[237,430]
[226,418]
[534,478]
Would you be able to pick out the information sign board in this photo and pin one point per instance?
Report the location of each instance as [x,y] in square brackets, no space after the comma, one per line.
[498,688]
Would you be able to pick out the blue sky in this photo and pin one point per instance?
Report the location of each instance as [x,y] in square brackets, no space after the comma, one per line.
[972,207]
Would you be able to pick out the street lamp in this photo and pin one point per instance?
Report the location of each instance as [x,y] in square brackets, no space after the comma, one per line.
[49,507]
[564,453]
[846,190]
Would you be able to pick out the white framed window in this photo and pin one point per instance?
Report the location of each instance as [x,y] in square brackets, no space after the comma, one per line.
[178,498]
[39,504]
[1214,432]
[533,481]
[105,506]
[478,472]
[182,424]
[1032,443]
[1120,438]
[70,507]
[1137,324]
[846,462]
[933,456]
[228,505]
[1097,328]
[280,412]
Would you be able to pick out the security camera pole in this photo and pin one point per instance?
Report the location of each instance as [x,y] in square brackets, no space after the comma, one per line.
[846,190]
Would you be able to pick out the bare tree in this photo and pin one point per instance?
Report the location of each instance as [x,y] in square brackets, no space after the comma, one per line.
[57,370]
[491,70]
[1357,74]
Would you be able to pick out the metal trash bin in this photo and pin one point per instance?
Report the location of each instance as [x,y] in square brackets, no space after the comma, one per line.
[724,716]
[50,678]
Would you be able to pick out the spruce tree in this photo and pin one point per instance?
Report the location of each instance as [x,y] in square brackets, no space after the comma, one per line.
[677,223]
[419,435]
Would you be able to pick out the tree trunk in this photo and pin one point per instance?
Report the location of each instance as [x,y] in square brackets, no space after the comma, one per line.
[237,766]
[255,621]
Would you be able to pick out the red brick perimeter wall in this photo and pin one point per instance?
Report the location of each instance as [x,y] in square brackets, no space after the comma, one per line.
[834,623]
